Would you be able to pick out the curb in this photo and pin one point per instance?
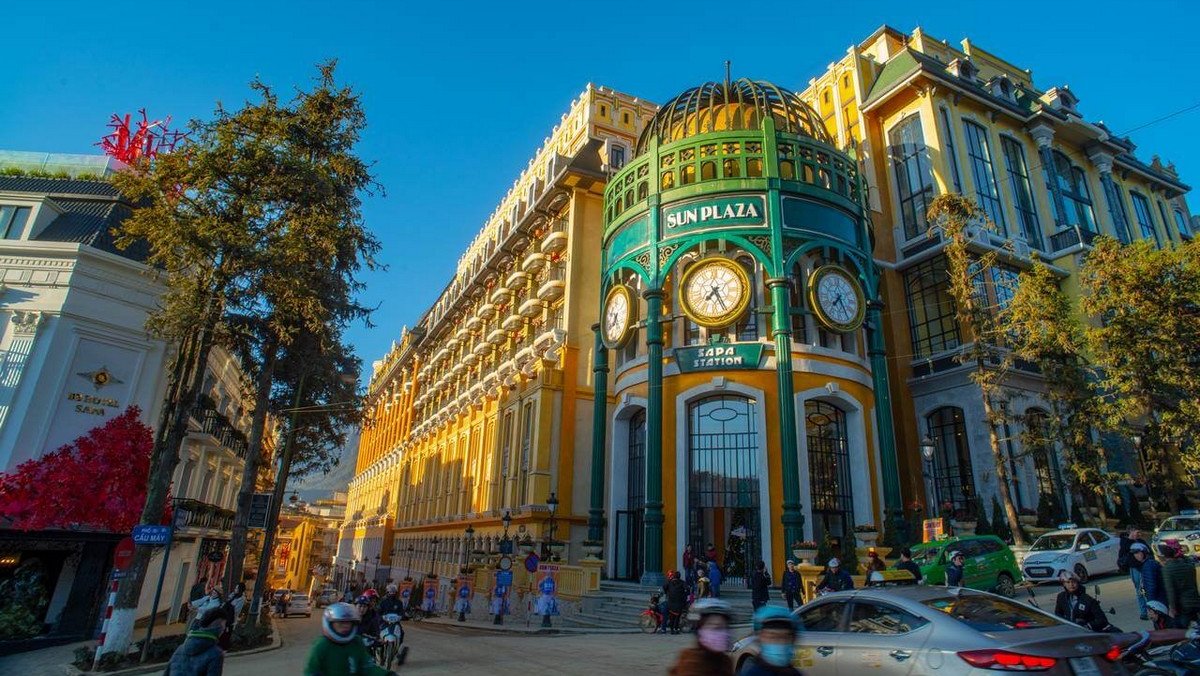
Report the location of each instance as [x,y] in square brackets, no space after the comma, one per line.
[72,670]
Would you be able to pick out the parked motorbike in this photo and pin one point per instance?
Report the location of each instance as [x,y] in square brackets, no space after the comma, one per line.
[1148,656]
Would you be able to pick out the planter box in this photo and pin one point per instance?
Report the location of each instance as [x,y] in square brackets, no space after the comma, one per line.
[1028,519]
[964,528]
[804,556]
[866,538]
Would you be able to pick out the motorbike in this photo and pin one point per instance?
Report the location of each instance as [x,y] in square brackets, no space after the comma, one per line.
[1155,654]
[391,636]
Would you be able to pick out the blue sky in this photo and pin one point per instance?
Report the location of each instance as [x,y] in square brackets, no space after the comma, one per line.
[460,94]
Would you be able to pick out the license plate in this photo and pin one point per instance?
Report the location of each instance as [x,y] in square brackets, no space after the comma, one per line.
[1084,666]
[1039,571]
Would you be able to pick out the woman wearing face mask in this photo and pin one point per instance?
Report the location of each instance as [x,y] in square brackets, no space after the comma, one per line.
[776,633]
[710,655]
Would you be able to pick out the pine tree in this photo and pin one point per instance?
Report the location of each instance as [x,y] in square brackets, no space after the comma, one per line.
[1000,527]
[982,525]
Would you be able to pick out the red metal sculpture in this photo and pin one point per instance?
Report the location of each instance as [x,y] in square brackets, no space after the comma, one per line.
[149,139]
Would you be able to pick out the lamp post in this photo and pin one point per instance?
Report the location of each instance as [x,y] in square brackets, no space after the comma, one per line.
[552,505]
[505,550]
[470,533]
[433,555]
[376,575]
[1138,440]
[408,568]
[928,447]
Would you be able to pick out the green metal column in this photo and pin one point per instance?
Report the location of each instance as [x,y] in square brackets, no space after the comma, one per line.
[652,575]
[599,430]
[781,332]
[883,423]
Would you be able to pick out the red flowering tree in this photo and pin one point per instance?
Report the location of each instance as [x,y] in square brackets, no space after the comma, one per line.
[97,481]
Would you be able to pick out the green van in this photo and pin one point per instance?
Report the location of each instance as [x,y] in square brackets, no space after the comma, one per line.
[990,564]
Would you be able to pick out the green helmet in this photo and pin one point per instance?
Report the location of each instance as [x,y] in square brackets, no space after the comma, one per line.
[773,616]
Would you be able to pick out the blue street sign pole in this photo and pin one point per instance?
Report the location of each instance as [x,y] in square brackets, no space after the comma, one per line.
[162,572]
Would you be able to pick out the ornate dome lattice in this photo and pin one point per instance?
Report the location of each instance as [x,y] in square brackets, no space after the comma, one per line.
[732,106]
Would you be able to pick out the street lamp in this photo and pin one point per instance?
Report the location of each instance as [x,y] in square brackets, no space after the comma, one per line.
[928,448]
[433,555]
[376,575]
[552,505]
[470,533]
[408,568]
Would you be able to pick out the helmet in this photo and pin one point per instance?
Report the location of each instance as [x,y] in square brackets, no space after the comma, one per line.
[371,594]
[339,612]
[773,616]
[363,600]
[1169,548]
[1067,575]
[1138,547]
[834,563]
[1157,606]
[955,554]
[392,589]
[705,607]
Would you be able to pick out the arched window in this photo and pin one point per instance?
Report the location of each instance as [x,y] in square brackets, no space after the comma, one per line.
[829,470]
[914,177]
[636,486]
[1181,223]
[952,477]
[1077,199]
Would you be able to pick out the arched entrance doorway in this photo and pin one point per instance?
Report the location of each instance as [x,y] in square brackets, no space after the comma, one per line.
[830,481]
[723,482]
[628,542]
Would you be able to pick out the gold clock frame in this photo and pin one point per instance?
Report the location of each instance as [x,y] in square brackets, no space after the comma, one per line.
[631,304]
[814,280]
[735,312]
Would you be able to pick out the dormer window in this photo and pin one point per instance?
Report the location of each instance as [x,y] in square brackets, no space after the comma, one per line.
[12,221]
[964,69]
[1062,99]
[1003,88]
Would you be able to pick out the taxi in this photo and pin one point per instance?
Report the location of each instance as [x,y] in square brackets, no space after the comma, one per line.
[1083,551]
[1184,527]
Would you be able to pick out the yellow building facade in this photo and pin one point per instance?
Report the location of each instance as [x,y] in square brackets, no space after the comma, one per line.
[776,421]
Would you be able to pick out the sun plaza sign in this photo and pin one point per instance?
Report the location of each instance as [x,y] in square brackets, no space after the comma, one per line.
[740,210]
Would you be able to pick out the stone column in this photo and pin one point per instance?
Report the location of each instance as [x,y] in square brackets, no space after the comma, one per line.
[652,575]
[1104,163]
[781,332]
[599,436]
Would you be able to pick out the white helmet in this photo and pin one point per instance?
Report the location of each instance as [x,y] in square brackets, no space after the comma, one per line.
[710,606]
[392,589]
[340,612]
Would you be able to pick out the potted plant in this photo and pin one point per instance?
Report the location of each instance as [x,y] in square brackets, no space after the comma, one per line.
[866,534]
[592,549]
[804,550]
[963,522]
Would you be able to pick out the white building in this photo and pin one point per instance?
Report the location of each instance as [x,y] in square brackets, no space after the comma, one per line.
[74,352]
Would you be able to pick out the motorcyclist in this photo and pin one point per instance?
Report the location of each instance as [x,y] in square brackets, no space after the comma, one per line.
[338,652]
[835,579]
[1179,582]
[1153,588]
[369,620]
[775,629]
[954,571]
[1074,605]
[391,602]
[1160,618]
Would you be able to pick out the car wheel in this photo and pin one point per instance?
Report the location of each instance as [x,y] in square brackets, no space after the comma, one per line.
[1081,573]
[1005,585]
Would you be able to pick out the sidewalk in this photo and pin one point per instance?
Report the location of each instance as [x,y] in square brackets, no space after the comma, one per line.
[52,660]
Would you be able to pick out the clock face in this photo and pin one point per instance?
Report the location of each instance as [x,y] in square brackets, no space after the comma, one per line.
[715,293]
[837,298]
[618,316]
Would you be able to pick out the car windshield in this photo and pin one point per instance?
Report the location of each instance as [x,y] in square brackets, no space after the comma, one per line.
[927,556]
[1181,523]
[299,597]
[991,613]
[1053,542]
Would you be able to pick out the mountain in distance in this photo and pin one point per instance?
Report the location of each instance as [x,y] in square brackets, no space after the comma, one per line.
[317,486]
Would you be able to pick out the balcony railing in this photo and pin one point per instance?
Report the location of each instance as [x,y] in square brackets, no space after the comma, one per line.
[196,514]
[1070,237]
[216,425]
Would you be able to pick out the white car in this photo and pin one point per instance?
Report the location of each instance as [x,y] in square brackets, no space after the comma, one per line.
[298,605]
[1184,527]
[1083,551]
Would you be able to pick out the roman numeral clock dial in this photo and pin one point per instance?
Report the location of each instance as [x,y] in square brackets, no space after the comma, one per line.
[836,298]
[714,293]
[618,317]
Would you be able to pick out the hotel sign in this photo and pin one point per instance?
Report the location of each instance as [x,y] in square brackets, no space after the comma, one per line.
[723,212]
[719,356]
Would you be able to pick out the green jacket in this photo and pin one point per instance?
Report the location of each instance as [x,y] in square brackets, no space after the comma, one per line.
[327,658]
[1179,577]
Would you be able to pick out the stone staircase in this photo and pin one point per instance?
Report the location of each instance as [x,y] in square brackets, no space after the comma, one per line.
[619,605]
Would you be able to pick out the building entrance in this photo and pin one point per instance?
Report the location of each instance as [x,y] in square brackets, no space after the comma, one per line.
[723,488]
[630,552]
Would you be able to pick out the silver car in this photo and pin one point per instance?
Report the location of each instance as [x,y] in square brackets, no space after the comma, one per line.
[928,630]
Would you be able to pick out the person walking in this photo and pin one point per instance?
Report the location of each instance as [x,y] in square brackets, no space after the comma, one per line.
[906,563]
[199,654]
[760,585]
[1179,580]
[1074,605]
[775,629]
[676,592]
[791,585]
[954,571]
[709,657]
[714,578]
[1125,562]
[212,601]
[1152,587]
[689,564]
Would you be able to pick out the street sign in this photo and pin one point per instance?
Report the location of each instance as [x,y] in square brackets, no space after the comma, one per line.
[260,510]
[506,546]
[504,578]
[151,535]
[123,554]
